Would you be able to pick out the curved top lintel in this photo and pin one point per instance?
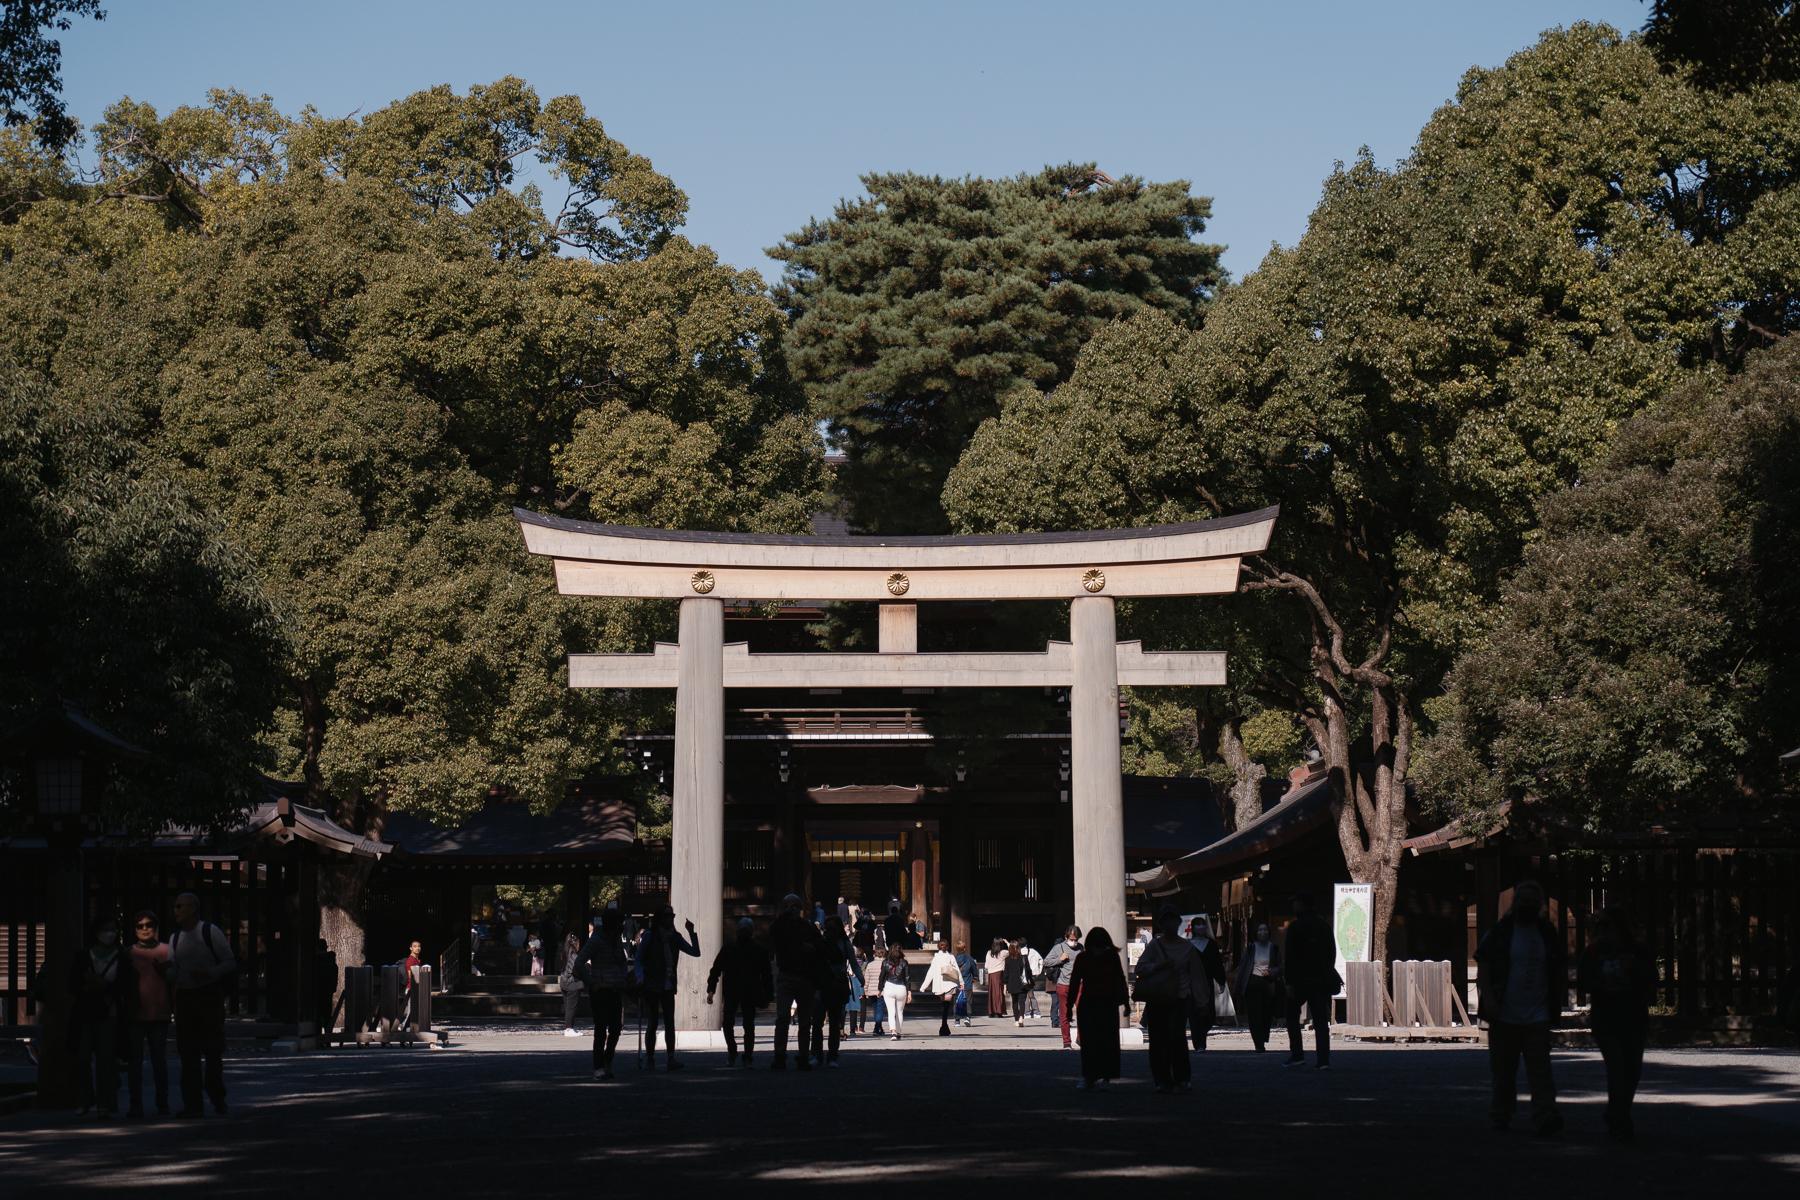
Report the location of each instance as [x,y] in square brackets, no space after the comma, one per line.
[1189,541]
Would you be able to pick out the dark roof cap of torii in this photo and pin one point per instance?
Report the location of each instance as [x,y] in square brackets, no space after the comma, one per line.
[1234,521]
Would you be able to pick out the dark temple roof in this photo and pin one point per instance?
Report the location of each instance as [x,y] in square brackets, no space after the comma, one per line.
[1306,807]
[584,828]
[1236,520]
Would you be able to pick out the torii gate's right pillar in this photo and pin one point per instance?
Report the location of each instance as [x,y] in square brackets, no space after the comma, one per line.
[1098,808]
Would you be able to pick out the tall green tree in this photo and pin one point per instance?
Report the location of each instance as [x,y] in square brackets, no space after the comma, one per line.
[917,306]
[31,66]
[124,598]
[360,343]
[1449,343]
[1727,44]
[1644,660]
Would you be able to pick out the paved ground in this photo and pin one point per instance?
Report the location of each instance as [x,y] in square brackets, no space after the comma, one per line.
[499,1113]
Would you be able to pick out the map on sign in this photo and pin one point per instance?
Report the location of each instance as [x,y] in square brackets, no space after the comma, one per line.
[1352,921]
[1352,929]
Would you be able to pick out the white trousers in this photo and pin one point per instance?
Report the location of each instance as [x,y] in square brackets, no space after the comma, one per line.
[895,995]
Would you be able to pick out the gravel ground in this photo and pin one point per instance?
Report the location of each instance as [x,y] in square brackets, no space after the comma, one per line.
[500,1112]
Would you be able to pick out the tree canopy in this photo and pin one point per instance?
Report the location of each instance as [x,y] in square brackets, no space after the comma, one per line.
[124,598]
[1640,667]
[1450,342]
[359,343]
[916,307]
[1727,44]
[31,66]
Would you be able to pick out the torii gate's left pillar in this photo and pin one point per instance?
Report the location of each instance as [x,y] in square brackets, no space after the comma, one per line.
[697,850]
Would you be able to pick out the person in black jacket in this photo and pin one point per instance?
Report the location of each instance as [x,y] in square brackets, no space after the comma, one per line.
[798,956]
[1524,981]
[659,955]
[834,992]
[1618,973]
[102,985]
[743,967]
[1309,960]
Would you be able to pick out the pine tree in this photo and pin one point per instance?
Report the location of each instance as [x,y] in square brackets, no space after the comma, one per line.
[915,308]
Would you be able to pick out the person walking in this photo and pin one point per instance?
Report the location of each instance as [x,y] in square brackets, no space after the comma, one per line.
[1169,977]
[1309,960]
[1204,1009]
[853,1007]
[1035,961]
[1259,984]
[569,982]
[1524,980]
[1058,964]
[865,933]
[659,958]
[147,1031]
[835,953]
[872,991]
[415,958]
[1618,973]
[969,968]
[798,953]
[893,989]
[996,978]
[201,960]
[943,981]
[1097,997]
[1017,969]
[101,980]
[742,967]
[604,966]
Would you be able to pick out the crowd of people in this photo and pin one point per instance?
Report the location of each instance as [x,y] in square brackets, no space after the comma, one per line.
[833,975]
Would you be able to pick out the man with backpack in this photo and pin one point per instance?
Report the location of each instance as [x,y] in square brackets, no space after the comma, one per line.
[201,963]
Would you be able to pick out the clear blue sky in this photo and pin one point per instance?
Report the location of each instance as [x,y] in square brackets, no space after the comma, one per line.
[767,113]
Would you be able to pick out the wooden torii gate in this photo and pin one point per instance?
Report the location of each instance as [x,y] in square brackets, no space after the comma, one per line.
[704,570]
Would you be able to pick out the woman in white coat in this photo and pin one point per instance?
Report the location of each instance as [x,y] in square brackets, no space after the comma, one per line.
[943,979]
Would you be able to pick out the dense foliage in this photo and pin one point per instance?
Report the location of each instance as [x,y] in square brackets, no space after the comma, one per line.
[916,307]
[1641,667]
[1450,342]
[356,344]
[125,599]
[31,65]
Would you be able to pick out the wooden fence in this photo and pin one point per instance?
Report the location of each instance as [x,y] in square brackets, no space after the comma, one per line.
[1724,924]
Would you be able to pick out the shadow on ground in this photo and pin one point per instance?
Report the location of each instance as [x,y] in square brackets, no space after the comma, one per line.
[1386,1122]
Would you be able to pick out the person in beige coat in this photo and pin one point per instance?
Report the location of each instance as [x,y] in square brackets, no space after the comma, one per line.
[943,979]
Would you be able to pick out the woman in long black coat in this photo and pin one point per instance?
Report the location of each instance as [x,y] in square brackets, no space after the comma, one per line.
[1097,994]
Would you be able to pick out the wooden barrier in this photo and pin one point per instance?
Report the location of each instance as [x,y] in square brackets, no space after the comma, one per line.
[1423,1003]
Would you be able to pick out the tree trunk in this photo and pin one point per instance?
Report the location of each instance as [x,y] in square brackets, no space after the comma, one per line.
[343,884]
[1247,775]
[1372,807]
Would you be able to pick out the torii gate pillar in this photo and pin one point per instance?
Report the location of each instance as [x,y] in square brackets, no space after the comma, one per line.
[1095,791]
[697,851]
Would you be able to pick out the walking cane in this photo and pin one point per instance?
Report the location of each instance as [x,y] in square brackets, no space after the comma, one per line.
[639,1001]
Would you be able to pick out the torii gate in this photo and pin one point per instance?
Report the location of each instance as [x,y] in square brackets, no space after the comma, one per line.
[704,570]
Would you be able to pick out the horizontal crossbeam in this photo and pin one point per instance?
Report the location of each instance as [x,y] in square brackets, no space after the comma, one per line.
[1053,668]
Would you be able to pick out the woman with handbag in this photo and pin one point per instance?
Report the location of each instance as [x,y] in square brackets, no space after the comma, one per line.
[943,979]
[893,989]
[1169,977]
[996,978]
[1018,979]
[1096,996]
[604,966]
